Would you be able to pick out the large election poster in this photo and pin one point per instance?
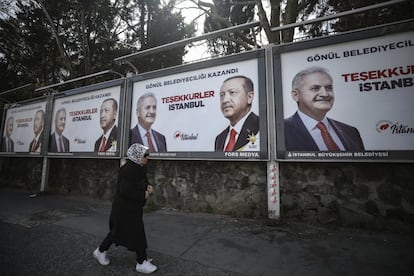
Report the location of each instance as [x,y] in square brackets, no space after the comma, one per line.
[349,100]
[23,128]
[192,114]
[86,122]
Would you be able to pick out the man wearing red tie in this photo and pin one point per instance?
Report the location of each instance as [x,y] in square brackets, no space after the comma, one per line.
[38,124]
[58,142]
[309,129]
[143,133]
[236,97]
[7,142]
[107,118]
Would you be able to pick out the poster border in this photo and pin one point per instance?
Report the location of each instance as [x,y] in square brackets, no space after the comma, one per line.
[41,99]
[86,89]
[263,154]
[280,152]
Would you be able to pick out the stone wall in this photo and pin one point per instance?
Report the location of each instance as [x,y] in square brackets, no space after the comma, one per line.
[379,195]
[357,194]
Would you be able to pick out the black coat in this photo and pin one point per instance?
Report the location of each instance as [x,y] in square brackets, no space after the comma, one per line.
[125,220]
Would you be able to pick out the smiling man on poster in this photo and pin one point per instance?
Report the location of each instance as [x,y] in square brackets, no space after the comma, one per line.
[309,129]
[107,141]
[236,98]
[143,133]
[7,142]
[58,142]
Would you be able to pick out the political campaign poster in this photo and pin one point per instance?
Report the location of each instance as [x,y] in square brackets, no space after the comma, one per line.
[194,113]
[87,122]
[361,90]
[23,128]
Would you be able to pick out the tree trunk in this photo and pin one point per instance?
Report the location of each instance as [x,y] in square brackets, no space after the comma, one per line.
[275,19]
[291,14]
[59,44]
[264,22]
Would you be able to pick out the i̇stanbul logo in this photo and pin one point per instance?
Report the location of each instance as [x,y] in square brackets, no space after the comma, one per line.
[393,128]
[178,135]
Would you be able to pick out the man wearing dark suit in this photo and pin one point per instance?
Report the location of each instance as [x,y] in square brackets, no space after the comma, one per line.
[142,133]
[309,129]
[38,124]
[58,142]
[7,142]
[108,140]
[236,97]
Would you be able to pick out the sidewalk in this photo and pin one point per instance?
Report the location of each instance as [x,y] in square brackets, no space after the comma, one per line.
[56,235]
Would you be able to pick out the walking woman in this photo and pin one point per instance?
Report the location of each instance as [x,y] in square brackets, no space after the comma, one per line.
[126,227]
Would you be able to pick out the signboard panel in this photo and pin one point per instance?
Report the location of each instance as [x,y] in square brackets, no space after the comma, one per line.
[23,128]
[361,89]
[87,121]
[189,111]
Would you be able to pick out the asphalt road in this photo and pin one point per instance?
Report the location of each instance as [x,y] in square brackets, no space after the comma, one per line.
[56,235]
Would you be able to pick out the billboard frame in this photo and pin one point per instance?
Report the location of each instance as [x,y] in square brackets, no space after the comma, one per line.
[277,50]
[39,100]
[120,119]
[217,156]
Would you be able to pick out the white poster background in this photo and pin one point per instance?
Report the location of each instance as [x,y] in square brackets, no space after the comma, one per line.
[368,110]
[204,122]
[23,118]
[82,117]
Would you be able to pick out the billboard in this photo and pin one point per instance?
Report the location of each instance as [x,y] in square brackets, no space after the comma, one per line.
[361,89]
[23,128]
[87,121]
[211,110]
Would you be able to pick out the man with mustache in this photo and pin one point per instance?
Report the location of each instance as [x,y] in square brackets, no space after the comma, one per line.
[309,129]
[38,124]
[7,142]
[58,142]
[236,97]
[108,112]
[142,133]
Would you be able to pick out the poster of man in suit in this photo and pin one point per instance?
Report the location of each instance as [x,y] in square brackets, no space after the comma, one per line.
[89,121]
[309,129]
[192,113]
[143,133]
[348,99]
[236,98]
[7,143]
[57,141]
[24,128]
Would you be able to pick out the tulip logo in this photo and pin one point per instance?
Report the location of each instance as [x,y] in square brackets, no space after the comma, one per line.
[383,126]
[177,135]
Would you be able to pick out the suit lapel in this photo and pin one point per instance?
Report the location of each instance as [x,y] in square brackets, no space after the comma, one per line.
[222,138]
[347,143]
[250,127]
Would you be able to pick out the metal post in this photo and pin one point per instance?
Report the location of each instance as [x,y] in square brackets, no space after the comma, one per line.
[273,195]
[45,174]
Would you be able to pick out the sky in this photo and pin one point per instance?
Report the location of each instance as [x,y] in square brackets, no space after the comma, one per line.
[191,12]
[189,9]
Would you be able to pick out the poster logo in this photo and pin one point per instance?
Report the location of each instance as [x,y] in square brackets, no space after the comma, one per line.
[178,135]
[394,128]
[383,125]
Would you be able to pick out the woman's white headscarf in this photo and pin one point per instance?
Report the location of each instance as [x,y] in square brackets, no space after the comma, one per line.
[136,153]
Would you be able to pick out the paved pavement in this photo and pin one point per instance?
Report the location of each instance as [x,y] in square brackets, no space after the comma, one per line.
[56,235]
